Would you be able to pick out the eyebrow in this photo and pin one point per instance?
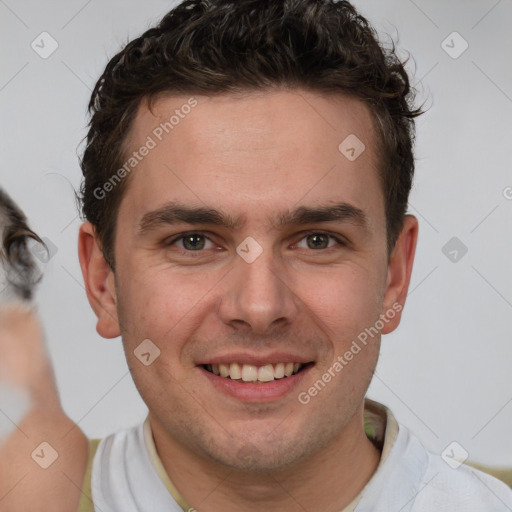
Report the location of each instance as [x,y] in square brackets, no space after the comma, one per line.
[174,213]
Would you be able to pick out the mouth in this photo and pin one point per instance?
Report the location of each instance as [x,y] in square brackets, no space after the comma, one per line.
[255,383]
[250,373]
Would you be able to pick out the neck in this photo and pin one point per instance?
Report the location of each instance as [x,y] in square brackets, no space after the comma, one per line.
[329,480]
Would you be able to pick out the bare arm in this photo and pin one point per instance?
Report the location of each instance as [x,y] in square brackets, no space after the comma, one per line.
[44,457]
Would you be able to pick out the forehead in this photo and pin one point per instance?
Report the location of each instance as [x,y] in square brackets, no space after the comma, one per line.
[258,151]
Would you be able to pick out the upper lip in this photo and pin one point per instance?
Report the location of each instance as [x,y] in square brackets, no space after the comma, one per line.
[256,359]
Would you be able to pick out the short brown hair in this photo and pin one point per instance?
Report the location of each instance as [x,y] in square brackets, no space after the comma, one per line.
[221,46]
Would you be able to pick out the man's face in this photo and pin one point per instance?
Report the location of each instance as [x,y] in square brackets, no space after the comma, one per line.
[297,290]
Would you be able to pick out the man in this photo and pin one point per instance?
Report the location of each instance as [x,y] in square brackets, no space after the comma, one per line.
[245,187]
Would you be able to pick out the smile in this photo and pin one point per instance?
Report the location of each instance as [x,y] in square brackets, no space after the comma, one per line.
[253,373]
[256,383]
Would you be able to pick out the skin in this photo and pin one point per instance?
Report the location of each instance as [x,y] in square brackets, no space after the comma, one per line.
[25,367]
[253,155]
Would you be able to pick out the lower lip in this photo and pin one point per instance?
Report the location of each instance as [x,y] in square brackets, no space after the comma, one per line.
[249,392]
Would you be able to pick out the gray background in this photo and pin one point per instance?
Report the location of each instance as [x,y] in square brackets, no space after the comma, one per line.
[445,372]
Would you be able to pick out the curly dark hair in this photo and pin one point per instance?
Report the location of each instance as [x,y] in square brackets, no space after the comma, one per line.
[16,260]
[221,46]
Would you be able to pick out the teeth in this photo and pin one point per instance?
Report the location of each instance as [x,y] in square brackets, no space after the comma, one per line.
[224,370]
[279,371]
[252,373]
[249,373]
[266,373]
[235,371]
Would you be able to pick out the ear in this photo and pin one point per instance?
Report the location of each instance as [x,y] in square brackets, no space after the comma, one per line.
[399,273]
[99,281]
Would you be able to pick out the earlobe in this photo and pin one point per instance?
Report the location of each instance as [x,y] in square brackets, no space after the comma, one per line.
[399,273]
[99,282]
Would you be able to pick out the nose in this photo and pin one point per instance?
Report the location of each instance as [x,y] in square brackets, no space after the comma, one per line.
[258,296]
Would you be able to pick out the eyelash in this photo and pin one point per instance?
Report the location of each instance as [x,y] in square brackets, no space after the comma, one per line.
[168,243]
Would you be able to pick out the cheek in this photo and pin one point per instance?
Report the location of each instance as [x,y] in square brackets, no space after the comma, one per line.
[345,301]
[161,307]
[160,304]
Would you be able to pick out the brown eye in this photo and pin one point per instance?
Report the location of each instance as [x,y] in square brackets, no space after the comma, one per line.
[318,240]
[190,242]
[193,242]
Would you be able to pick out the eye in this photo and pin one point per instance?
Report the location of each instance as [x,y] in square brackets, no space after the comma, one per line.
[319,240]
[190,242]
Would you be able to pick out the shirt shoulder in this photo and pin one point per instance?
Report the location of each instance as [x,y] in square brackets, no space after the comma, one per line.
[447,488]
[412,479]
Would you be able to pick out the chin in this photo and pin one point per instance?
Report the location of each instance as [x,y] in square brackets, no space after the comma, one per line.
[259,454]
[251,459]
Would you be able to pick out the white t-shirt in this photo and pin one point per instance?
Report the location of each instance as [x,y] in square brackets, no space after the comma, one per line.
[128,476]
